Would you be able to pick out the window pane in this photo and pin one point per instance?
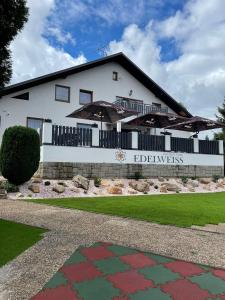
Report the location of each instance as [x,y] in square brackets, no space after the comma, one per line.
[82,125]
[62,93]
[34,123]
[85,97]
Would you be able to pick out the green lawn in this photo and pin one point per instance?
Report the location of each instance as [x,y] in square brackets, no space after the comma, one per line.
[177,209]
[15,238]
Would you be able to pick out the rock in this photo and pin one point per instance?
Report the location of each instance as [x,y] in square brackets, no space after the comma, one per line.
[161,179]
[19,195]
[36,180]
[219,186]
[140,186]
[105,182]
[132,192]
[194,183]
[163,189]
[150,182]
[191,190]
[80,181]
[205,180]
[221,181]
[62,183]
[171,187]
[34,188]
[58,188]
[75,190]
[207,187]
[119,183]
[115,190]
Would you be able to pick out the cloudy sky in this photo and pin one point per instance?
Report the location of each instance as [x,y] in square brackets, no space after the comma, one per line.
[179,43]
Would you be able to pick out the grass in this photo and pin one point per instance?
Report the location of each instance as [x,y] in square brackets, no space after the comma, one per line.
[181,210]
[15,238]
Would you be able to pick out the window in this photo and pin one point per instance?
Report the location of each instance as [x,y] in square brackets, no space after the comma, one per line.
[115,76]
[62,93]
[24,96]
[85,97]
[35,123]
[157,105]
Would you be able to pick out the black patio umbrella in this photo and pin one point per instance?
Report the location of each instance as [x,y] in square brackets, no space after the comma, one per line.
[102,111]
[157,120]
[196,124]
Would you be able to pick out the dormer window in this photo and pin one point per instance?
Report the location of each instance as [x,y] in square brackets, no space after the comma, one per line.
[62,93]
[24,96]
[115,76]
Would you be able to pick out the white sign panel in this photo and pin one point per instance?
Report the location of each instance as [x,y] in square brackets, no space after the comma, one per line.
[99,155]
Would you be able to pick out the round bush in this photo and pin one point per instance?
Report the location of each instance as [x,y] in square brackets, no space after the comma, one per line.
[19,154]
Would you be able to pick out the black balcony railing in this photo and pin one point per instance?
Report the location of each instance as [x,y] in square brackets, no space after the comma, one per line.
[113,139]
[139,106]
[208,147]
[182,145]
[151,142]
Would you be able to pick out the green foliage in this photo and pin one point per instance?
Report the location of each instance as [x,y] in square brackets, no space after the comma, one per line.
[184,179]
[215,178]
[19,154]
[97,181]
[10,187]
[138,175]
[14,14]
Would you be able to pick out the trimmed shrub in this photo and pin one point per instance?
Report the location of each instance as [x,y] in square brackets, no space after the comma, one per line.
[97,181]
[19,154]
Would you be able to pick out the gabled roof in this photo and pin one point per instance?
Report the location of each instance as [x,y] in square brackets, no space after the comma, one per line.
[120,58]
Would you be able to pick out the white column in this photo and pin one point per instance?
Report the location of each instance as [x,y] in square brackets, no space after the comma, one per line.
[118,126]
[95,137]
[196,145]
[134,139]
[167,142]
[221,148]
[47,133]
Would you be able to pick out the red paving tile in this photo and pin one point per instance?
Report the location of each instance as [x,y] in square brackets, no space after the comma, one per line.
[96,253]
[80,272]
[121,298]
[137,260]
[219,273]
[59,293]
[185,290]
[130,281]
[184,268]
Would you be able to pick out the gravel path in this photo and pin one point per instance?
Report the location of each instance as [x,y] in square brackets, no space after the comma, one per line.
[25,276]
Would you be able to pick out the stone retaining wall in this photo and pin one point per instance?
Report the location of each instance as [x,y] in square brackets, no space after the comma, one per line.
[54,170]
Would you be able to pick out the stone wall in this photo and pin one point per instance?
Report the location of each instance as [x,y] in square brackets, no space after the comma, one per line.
[54,170]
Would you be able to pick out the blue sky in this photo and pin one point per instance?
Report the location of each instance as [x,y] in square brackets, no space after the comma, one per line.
[92,29]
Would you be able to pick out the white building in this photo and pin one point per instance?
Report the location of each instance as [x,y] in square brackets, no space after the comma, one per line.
[113,79]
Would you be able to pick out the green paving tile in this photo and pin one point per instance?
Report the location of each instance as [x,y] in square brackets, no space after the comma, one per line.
[154,294]
[207,268]
[158,258]
[158,274]
[119,250]
[97,289]
[209,282]
[75,258]
[111,265]
[56,280]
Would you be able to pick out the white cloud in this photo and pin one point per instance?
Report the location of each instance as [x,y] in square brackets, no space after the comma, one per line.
[197,76]
[32,55]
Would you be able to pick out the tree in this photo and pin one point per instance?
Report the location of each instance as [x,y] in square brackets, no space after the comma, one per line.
[19,154]
[221,118]
[13,15]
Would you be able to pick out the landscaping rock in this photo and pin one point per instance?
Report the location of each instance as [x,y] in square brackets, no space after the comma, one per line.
[75,190]
[62,183]
[132,192]
[219,186]
[150,182]
[194,183]
[221,181]
[19,195]
[36,180]
[191,189]
[161,179]
[58,188]
[163,189]
[205,180]
[171,187]
[115,190]
[34,188]
[105,182]
[119,183]
[140,186]
[80,181]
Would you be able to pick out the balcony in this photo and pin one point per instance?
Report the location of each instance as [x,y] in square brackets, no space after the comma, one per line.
[139,106]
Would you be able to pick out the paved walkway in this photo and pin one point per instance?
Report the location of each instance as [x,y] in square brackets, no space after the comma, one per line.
[25,276]
[109,272]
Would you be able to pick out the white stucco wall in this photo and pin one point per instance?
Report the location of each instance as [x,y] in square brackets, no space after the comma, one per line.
[42,102]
